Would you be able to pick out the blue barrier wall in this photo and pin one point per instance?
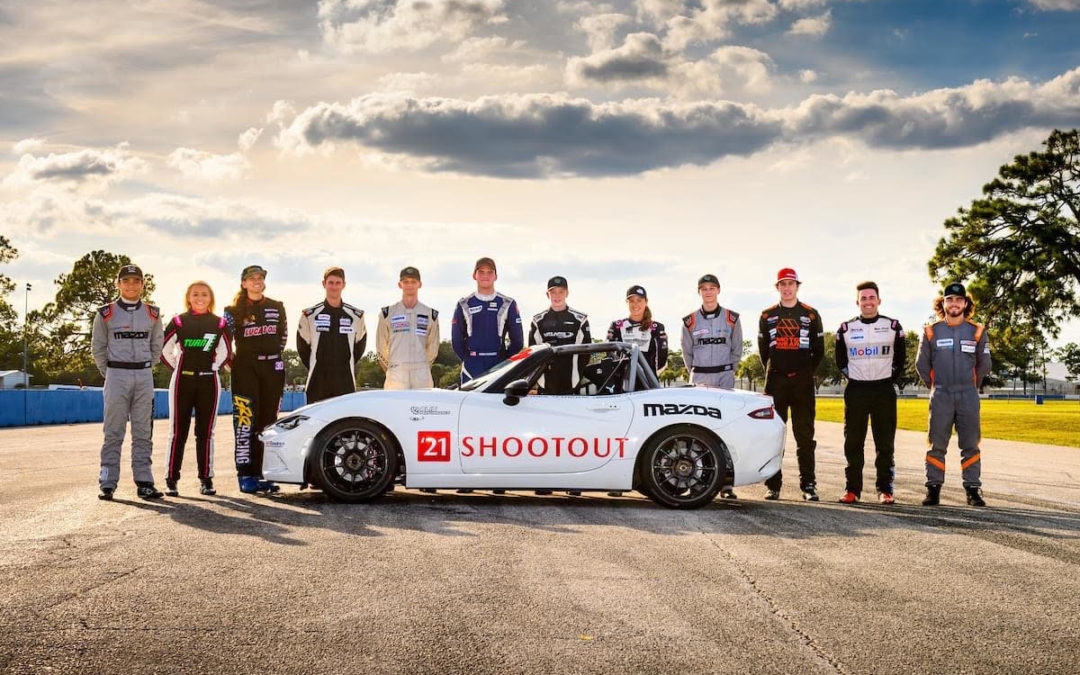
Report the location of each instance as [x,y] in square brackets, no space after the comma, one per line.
[20,407]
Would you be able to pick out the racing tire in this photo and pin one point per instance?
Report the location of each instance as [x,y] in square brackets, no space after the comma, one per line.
[353,460]
[682,468]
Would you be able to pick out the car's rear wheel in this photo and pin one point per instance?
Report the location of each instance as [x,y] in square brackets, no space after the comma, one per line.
[353,460]
[682,468]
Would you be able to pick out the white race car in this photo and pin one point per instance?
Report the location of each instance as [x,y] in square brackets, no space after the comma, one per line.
[620,430]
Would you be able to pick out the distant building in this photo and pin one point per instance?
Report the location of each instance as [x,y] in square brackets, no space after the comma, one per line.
[14,379]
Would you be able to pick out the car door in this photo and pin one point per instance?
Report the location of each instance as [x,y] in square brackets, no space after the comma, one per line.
[542,434]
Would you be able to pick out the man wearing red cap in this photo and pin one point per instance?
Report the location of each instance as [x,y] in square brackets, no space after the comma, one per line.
[791,343]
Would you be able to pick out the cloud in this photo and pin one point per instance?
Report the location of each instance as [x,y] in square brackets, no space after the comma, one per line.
[543,135]
[600,29]
[200,165]
[642,61]
[248,138]
[1056,5]
[377,26]
[641,57]
[28,145]
[813,26]
[90,168]
[807,76]
[478,49]
[713,19]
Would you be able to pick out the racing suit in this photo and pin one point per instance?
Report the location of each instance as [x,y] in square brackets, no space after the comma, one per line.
[791,344]
[259,330]
[712,346]
[486,330]
[652,342]
[565,327]
[330,341]
[406,343]
[126,342]
[872,354]
[196,348]
[953,361]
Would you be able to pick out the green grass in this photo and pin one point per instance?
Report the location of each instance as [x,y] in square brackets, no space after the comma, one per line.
[1054,422]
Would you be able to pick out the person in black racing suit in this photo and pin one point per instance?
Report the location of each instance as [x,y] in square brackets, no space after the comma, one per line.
[560,325]
[640,329]
[259,329]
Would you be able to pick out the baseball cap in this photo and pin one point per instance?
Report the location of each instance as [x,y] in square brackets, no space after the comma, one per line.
[638,291]
[787,273]
[708,279]
[409,273]
[333,271]
[252,270]
[129,271]
[557,282]
[954,289]
[485,262]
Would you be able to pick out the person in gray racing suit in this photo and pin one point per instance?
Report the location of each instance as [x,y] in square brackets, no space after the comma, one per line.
[712,344]
[954,358]
[126,342]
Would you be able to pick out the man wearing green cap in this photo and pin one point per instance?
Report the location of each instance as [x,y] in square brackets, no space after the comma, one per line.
[954,358]
[407,338]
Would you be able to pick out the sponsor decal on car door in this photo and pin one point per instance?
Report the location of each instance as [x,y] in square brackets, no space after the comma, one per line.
[542,434]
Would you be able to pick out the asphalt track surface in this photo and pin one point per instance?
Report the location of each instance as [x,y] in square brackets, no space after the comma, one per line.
[520,583]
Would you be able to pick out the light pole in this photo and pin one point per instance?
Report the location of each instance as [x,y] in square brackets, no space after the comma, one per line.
[26,340]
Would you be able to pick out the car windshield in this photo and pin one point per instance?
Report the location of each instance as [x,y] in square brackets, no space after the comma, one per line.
[493,373]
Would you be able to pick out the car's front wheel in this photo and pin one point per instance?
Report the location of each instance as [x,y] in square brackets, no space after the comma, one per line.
[682,468]
[353,460]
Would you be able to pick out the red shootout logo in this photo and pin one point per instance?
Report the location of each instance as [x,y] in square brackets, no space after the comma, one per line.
[433,446]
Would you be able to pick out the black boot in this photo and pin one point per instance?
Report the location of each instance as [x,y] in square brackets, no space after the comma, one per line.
[933,495]
[207,487]
[106,494]
[974,496]
[147,491]
[170,488]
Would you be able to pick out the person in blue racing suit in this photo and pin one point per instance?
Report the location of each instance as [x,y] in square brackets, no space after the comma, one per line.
[486,329]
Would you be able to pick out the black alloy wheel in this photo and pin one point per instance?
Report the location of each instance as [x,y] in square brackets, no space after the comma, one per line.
[354,460]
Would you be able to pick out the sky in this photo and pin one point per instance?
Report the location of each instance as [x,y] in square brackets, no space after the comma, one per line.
[614,143]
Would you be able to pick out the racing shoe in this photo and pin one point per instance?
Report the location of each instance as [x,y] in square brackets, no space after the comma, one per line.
[207,487]
[772,495]
[849,498]
[269,487]
[933,495]
[147,491]
[886,498]
[170,488]
[728,493]
[974,496]
[809,493]
[106,494]
[250,485]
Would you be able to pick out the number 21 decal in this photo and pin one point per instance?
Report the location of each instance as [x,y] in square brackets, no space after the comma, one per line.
[433,446]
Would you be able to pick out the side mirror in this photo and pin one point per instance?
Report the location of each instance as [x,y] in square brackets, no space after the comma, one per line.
[515,391]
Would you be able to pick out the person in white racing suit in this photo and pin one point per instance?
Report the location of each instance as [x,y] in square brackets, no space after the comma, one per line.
[407,337]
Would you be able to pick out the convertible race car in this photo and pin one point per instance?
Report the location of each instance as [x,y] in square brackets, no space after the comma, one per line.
[619,430]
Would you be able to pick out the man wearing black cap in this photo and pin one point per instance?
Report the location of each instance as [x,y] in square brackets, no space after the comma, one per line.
[712,339]
[560,325]
[954,358]
[486,325]
[330,340]
[126,343]
[407,337]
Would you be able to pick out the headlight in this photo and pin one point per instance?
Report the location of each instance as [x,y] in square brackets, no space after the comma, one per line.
[291,422]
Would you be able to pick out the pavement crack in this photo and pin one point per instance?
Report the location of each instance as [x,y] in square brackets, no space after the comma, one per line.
[778,613]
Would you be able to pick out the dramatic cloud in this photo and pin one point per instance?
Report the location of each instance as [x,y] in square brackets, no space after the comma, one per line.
[89,167]
[377,26]
[555,135]
[711,20]
[641,57]
[199,165]
[814,26]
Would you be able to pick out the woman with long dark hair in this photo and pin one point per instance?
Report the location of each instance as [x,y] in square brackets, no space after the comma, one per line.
[640,329]
[197,346]
[259,330]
